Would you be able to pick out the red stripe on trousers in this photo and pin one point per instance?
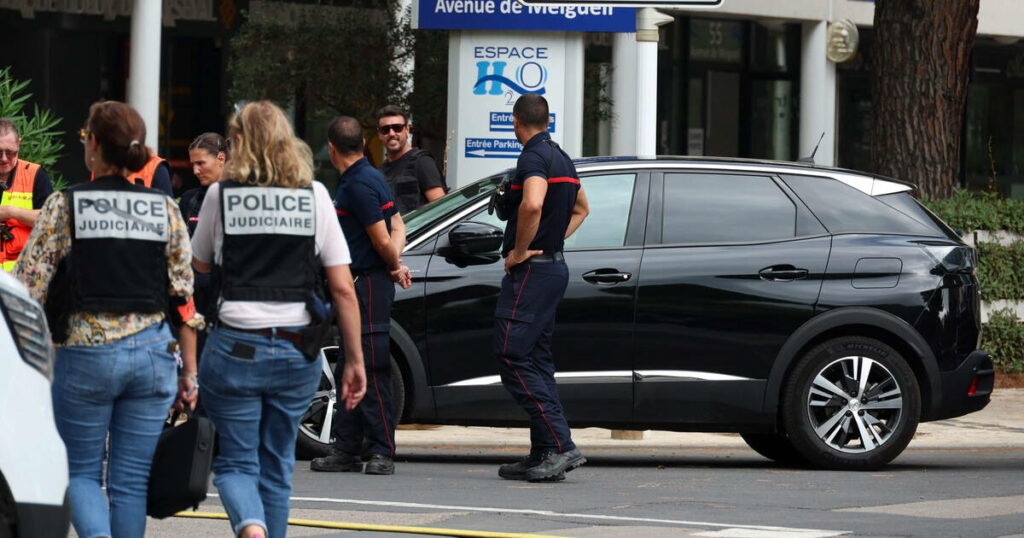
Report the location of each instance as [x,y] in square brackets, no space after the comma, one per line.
[373,366]
[522,383]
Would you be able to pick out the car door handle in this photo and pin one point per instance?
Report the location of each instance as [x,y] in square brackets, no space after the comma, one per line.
[606,276]
[782,273]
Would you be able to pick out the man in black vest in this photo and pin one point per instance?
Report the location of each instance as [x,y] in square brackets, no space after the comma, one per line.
[412,172]
[376,236]
[553,206]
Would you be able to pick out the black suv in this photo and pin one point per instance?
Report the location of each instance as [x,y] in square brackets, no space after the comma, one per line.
[821,313]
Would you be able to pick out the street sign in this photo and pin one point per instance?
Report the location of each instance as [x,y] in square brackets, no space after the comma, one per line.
[489,71]
[681,4]
[508,15]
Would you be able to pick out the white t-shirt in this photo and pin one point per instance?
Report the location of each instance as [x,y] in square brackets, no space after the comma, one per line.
[331,248]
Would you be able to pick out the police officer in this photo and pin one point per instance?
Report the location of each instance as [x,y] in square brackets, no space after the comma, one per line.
[25,187]
[553,206]
[376,237]
[412,173]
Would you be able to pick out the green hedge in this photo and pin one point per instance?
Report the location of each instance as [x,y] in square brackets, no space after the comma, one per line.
[1003,337]
[970,210]
[1001,271]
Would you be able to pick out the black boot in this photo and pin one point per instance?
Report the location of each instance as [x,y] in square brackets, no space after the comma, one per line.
[380,464]
[337,462]
[553,464]
[517,470]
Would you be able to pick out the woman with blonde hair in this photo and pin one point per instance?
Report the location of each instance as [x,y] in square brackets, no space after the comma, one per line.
[110,260]
[266,233]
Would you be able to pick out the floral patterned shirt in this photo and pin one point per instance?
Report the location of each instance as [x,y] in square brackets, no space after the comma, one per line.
[50,242]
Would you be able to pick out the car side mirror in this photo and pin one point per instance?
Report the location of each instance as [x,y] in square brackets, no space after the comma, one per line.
[471,238]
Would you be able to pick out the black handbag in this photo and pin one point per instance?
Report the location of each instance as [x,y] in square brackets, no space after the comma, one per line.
[180,474]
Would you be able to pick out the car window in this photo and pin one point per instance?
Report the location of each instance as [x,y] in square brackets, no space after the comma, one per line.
[722,208]
[451,202]
[609,196]
[844,209]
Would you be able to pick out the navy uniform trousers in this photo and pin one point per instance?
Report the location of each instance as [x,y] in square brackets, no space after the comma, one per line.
[524,321]
[373,418]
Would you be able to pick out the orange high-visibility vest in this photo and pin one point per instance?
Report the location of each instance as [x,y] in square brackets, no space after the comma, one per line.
[144,177]
[18,194]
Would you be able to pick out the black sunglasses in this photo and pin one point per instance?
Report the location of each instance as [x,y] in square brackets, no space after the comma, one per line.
[396,127]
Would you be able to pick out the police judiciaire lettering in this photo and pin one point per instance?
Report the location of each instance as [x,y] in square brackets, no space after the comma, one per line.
[514,7]
[270,202]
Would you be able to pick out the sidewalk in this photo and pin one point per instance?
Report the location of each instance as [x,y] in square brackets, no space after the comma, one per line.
[1000,425]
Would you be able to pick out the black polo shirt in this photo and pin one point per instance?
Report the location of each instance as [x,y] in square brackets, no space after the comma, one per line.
[542,159]
[363,198]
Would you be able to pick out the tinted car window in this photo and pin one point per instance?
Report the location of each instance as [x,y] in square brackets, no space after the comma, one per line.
[609,198]
[719,208]
[844,209]
[906,204]
[449,203]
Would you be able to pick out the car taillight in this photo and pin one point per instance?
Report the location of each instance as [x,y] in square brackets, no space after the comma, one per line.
[952,259]
[974,386]
[28,325]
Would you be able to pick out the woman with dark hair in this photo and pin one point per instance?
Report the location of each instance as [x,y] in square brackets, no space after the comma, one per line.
[269,232]
[110,260]
[208,154]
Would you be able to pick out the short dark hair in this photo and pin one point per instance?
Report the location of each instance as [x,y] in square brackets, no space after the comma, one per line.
[531,110]
[393,110]
[346,135]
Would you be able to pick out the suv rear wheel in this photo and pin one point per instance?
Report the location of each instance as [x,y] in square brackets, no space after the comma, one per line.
[851,403]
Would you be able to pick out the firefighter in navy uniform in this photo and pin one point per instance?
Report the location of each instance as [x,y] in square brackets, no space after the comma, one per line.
[553,206]
[376,236]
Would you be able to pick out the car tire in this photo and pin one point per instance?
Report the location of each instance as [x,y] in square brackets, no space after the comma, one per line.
[312,442]
[774,446]
[851,403]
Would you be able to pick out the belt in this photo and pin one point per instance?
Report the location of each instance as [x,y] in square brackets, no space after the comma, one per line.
[547,258]
[271,332]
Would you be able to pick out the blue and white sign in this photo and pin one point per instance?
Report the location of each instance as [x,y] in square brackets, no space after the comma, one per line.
[511,15]
[501,122]
[489,71]
[493,148]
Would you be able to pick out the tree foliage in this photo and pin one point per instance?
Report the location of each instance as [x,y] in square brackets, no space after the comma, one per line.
[40,141]
[919,83]
[342,60]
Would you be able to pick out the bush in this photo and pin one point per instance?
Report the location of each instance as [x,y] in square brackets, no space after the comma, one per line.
[1001,271]
[40,142]
[968,210]
[1003,337]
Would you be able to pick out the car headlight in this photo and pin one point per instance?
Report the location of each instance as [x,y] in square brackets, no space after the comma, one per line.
[28,325]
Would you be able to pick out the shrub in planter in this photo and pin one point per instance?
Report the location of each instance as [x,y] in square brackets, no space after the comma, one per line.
[1003,337]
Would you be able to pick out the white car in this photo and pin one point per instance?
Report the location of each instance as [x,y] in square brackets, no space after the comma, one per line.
[33,461]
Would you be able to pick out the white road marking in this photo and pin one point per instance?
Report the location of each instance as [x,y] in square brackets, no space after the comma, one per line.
[775,531]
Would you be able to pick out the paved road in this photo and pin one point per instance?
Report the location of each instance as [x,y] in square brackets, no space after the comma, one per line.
[958,478]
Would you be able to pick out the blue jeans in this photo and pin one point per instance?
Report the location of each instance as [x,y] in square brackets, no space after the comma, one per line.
[255,389]
[124,388]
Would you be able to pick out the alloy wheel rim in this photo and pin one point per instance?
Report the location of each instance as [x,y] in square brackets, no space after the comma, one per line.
[854,404]
[317,421]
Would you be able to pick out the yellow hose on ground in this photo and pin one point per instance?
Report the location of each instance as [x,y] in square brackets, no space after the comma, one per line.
[379,528]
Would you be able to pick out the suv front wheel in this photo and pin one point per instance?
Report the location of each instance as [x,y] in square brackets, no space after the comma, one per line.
[851,403]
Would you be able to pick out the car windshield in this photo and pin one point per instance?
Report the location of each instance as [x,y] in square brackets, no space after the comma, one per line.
[417,219]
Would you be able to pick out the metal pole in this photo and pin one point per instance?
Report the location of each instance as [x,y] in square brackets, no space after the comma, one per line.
[144,65]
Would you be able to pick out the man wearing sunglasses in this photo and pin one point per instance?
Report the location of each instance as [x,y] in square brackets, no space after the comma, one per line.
[25,187]
[412,172]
